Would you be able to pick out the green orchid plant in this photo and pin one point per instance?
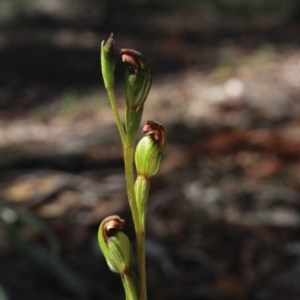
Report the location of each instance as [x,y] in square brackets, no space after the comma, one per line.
[146,156]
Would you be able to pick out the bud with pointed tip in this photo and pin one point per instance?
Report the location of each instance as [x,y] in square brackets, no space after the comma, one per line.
[108,61]
[115,245]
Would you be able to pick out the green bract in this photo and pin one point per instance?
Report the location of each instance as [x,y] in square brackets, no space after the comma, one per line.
[108,62]
[141,188]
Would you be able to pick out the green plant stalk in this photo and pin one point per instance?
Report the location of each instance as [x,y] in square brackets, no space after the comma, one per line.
[128,159]
[113,102]
[128,137]
[139,227]
[140,236]
[129,176]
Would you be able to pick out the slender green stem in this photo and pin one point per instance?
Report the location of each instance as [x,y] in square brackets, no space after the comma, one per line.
[129,175]
[139,228]
[113,102]
[142,263]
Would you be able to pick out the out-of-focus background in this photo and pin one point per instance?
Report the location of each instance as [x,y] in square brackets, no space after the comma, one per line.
[224,210]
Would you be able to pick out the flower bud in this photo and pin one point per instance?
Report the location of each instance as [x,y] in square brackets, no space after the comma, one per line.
[108,61]
[115,245]
[149,149]
[137,78]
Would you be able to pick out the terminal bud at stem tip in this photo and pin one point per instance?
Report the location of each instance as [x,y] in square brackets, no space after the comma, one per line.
[108,61]
[115,245]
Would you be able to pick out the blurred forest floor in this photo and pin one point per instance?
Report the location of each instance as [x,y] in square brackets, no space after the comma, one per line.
[224,210]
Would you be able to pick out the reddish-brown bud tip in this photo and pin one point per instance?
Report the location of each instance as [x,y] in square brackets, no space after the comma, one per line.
[156,131]
[131,57]
[112,225]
